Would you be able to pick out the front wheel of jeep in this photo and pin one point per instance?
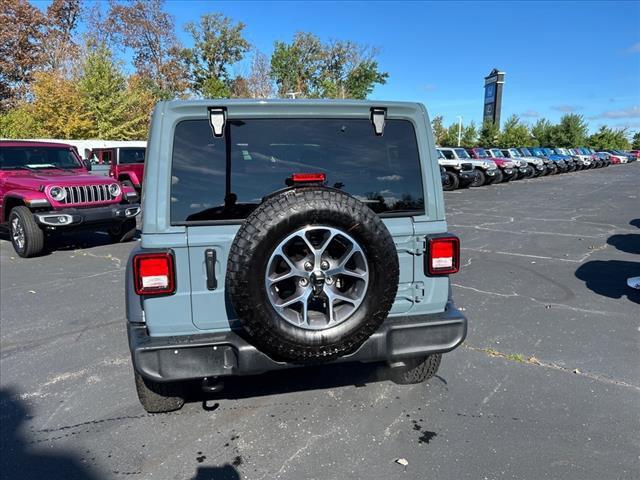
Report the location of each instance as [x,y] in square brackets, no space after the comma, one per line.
[27,237]
[451,183]
[499,178]
[480,179]
[416,370]
[157,397]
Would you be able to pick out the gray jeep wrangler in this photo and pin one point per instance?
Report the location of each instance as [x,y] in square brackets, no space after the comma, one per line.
[288,233]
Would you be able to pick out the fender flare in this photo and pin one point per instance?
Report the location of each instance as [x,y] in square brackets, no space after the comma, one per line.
[22,197]
[131,176]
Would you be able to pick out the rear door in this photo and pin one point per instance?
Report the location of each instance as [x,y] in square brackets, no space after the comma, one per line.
[216,182]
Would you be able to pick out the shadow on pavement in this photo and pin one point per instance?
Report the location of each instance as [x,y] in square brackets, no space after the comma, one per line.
[18,461]
[635,222]
[226,472]
[629,242]
[609,278]
[297,379]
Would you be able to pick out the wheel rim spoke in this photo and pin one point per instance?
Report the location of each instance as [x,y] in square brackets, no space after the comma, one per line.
[17,232]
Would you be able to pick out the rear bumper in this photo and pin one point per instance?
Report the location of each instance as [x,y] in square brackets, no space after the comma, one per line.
[76,217]
[164,359]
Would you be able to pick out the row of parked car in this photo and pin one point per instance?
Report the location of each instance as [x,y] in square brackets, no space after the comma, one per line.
[475,167]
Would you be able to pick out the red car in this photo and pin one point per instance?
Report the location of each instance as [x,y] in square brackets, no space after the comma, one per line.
[126,164]
[45,188]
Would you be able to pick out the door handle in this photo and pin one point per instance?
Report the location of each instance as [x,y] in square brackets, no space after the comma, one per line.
[210,263]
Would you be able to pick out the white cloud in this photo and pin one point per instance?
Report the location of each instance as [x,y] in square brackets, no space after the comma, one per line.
[635,48]
[630,112]
[567,108]
[530,113]
[390,178]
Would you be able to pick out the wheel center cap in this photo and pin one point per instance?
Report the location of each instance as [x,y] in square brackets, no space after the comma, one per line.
[317,280]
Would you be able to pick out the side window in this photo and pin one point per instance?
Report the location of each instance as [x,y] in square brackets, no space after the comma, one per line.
[448,154]
[106,157]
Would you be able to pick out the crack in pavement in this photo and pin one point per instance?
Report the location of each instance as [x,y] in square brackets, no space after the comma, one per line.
[546,304]
[531,360]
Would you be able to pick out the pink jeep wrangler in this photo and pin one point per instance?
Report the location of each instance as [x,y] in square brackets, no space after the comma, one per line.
[126,164]
[45,188]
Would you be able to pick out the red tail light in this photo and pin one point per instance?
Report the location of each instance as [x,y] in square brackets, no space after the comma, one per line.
[443,255]
[153,274]
[308,177]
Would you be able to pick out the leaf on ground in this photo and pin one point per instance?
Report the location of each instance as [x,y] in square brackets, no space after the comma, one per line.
[402,461]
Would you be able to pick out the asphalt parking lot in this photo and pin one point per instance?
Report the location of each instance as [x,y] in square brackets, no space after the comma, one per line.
[547,384]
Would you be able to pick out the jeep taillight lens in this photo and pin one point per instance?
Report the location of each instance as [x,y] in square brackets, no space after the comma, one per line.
[443,255]
[153,273]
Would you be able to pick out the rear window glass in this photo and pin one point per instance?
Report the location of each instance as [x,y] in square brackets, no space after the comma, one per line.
[131,155]
[226,178]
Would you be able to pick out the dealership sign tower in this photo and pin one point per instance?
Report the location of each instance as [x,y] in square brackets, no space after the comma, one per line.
[493,85]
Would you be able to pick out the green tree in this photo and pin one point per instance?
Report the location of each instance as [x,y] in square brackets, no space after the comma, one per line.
[608,139]
[514,133]
[635,142]
[340,69]
[296,67]
[544,133]
[113,107]
[349,70]
[451,136]
[439,132]
[572,131]
[469,135]
[218,44]
[489,135]
[20,123]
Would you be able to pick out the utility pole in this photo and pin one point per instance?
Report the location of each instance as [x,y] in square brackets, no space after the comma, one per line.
[293,94]
[459,129]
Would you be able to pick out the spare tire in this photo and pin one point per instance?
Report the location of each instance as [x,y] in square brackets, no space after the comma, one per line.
[312,273]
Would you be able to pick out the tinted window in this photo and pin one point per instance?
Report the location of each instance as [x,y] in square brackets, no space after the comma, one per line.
[131,155]
[38,158]
[462,153]
[211,181]
[448,154]
[481,153]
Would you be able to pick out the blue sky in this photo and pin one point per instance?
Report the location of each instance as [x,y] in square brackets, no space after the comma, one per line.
[576,56]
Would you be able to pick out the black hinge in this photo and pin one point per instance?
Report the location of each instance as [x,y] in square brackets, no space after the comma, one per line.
[210,263]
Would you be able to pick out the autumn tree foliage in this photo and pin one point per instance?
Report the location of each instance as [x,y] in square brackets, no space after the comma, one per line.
[21,49]
[145,28]
[103,82]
